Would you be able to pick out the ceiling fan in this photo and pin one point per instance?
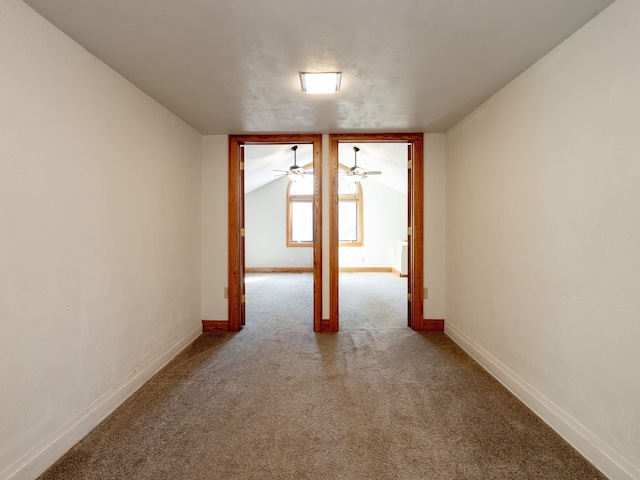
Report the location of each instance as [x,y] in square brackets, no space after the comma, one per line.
[357,173]
[295,171]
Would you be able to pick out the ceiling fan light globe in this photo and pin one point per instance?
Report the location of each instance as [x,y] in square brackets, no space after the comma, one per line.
[294,176]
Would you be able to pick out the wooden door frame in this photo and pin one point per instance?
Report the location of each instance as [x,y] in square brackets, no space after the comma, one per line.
[235,272]
[416,212]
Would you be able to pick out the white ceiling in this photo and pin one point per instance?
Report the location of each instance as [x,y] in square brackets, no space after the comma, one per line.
[231,66]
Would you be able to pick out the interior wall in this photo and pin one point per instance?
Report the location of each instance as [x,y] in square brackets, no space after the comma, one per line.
[215,221]
[384,212]
[99,240]
[326,270]
[434,225]
[384,223]
[266,230]
[543,264]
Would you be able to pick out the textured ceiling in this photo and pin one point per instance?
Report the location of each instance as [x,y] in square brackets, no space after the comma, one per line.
[228,66]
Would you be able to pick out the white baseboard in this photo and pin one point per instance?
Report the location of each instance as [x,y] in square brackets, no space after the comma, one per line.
[45,454]
[601,455]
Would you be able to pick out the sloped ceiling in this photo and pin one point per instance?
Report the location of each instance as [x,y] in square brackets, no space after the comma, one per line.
[231,66]
[265,163]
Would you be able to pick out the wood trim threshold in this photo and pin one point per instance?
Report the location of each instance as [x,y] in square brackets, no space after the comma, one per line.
[365,269]
[431,325]
[279,270]
[209,326]
[325,326]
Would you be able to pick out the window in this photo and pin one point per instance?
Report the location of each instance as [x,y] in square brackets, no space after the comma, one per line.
[300,211]
[349,211]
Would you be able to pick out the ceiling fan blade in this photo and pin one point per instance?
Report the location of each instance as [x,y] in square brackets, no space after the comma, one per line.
[373,172]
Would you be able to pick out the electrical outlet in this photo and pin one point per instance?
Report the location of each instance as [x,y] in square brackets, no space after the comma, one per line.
[426,292]
[226,292]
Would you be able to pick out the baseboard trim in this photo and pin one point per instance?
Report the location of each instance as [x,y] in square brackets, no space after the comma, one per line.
[279,270]
[209,326]
[365,269]
[325,325]
[428,325]
[310,270]
[432,325]
[600,454]
[397,272]
[47,452]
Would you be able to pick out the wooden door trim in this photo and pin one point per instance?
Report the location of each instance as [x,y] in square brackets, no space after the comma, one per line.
[235,223]
[234,266]
[417,224]
[416,265]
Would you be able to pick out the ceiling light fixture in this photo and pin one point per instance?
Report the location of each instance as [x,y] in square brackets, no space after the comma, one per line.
[326,82]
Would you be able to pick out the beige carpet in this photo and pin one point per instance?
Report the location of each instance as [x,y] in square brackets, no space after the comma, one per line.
[277,401]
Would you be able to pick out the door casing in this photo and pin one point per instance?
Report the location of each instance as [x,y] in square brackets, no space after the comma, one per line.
[415,222]
[236,222]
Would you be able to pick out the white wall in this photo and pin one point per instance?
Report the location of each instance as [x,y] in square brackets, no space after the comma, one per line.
[385,213]
[326,220]
[434,225]
[99,240]
[384,223]
[266,229]
[543,235]
[215,221]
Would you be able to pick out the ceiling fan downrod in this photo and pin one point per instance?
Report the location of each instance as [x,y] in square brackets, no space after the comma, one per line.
[355,159]
[295,164]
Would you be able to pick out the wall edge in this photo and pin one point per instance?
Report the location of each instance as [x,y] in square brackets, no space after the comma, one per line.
[52,448]
[597,452]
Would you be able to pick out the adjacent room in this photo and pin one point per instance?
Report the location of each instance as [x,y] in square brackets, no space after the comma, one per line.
[278,186]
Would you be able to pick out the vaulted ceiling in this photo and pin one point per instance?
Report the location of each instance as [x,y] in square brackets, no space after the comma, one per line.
[231,66]
[266,163]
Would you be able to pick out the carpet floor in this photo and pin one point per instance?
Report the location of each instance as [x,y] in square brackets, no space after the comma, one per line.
[278,401]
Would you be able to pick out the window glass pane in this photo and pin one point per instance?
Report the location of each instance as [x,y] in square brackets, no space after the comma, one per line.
[303,186]
[301,221]
[346,185]
[348,221]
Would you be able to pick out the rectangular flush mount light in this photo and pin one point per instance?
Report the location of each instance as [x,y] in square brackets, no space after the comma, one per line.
[326,82]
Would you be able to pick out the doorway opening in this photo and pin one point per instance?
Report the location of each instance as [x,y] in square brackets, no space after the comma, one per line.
[372,225]
[412,243]
[278,203]
[236,228]
[260,152]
